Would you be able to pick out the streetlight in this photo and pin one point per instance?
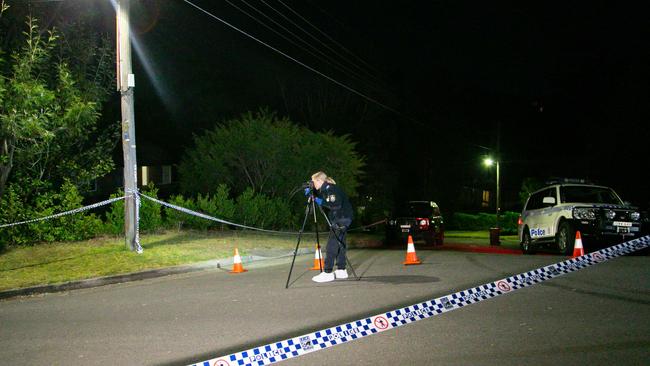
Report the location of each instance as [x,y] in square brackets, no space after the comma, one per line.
[489,162]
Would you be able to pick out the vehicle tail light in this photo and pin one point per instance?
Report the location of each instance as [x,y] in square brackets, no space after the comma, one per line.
[423,222]
[520,221]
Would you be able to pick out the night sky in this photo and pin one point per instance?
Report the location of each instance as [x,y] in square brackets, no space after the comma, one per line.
[560,88]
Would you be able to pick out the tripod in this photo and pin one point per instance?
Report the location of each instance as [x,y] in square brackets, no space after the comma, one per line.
[311,206]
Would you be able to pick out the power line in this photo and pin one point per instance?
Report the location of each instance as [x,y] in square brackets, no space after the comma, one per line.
[315,38]
[340,67]
[293,59]
[330,38]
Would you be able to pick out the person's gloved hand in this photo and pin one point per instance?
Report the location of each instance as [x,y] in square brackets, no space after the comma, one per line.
[319,201]
[307,191]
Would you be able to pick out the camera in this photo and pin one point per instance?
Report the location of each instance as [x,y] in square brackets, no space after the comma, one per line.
[309,184]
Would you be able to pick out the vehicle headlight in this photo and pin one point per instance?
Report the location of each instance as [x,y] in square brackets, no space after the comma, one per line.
[584,213]
[635,216]
[610,214]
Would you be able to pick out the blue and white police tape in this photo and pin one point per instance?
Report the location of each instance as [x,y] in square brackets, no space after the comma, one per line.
[208,217]
[368,226]
[298,346]
[71,212]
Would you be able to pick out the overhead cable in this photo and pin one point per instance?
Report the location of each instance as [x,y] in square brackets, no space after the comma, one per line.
[315,38]
[327,58]
[293,59]
[337,65]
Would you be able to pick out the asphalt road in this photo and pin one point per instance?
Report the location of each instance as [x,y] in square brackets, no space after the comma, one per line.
[596,316]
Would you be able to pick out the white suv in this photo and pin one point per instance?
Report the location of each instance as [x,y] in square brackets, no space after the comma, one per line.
[552,215]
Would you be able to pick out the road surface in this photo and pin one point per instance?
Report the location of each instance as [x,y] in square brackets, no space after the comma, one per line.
[597,316]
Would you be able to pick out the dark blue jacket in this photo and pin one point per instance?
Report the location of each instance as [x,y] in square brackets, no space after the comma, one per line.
[337,202]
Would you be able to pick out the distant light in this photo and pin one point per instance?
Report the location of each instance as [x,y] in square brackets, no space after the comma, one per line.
[488,162]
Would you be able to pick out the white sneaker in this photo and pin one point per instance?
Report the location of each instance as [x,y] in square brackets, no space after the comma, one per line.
[323,277]
[341,274]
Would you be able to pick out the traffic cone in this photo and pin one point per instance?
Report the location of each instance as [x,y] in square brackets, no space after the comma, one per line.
[411,257]
[319,263]
[578,250]
[236,264]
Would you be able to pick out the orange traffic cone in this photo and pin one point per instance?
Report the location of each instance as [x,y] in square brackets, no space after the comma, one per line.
[319,263]
[236,264]
[578,250]
[411,257]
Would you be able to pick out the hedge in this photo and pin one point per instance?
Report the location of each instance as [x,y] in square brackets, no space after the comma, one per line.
[483,221]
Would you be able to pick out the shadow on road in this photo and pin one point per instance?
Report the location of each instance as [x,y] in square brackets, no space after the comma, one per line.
[398,280]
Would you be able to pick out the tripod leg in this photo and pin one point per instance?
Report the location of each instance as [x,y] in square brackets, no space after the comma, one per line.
[295,251]
[313,207]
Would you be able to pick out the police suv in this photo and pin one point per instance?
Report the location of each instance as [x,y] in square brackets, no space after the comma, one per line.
[552,215]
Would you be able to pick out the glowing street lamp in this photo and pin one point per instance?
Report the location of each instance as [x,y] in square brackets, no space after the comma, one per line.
[489,162]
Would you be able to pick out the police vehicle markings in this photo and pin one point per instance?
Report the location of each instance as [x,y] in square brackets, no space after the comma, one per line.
[307,343]
[535,232]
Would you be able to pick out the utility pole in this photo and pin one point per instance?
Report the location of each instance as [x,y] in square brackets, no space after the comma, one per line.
[498,159]
[125,85]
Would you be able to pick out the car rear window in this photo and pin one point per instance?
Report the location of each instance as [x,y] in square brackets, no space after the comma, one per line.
[589,195]
[416,209]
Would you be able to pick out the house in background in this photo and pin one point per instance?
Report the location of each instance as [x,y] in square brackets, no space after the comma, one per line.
[155,166]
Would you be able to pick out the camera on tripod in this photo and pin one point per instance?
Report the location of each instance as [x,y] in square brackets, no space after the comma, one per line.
[308,184]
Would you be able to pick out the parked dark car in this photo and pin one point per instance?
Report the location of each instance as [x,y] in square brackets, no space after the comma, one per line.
[421,219]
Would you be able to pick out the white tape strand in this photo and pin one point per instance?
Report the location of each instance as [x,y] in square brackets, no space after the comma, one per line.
[207,217]
[368,226]
[307,343]
[71,212]
[138,247]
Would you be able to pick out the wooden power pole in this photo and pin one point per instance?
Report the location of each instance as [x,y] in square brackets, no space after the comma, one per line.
[125,85]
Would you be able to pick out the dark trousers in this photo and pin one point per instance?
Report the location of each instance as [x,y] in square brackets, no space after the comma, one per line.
[336,249]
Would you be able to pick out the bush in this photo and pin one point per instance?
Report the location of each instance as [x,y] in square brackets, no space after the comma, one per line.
[260,211]
[150,213]
[483,221]
[271,155]
[250,209]
[78,226]
[220,206]
[174,218]
[12,209]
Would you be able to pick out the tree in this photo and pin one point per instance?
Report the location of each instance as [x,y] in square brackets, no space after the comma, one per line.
[268,154]
[49,127]
[528,186]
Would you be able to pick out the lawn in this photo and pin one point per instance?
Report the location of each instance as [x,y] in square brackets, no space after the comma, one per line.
[480,238]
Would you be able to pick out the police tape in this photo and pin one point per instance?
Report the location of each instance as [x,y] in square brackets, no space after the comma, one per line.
[304,344]
[368,226]
[208,217]
[71,212]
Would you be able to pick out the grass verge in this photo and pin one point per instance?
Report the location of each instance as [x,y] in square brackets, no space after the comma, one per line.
[480,238]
